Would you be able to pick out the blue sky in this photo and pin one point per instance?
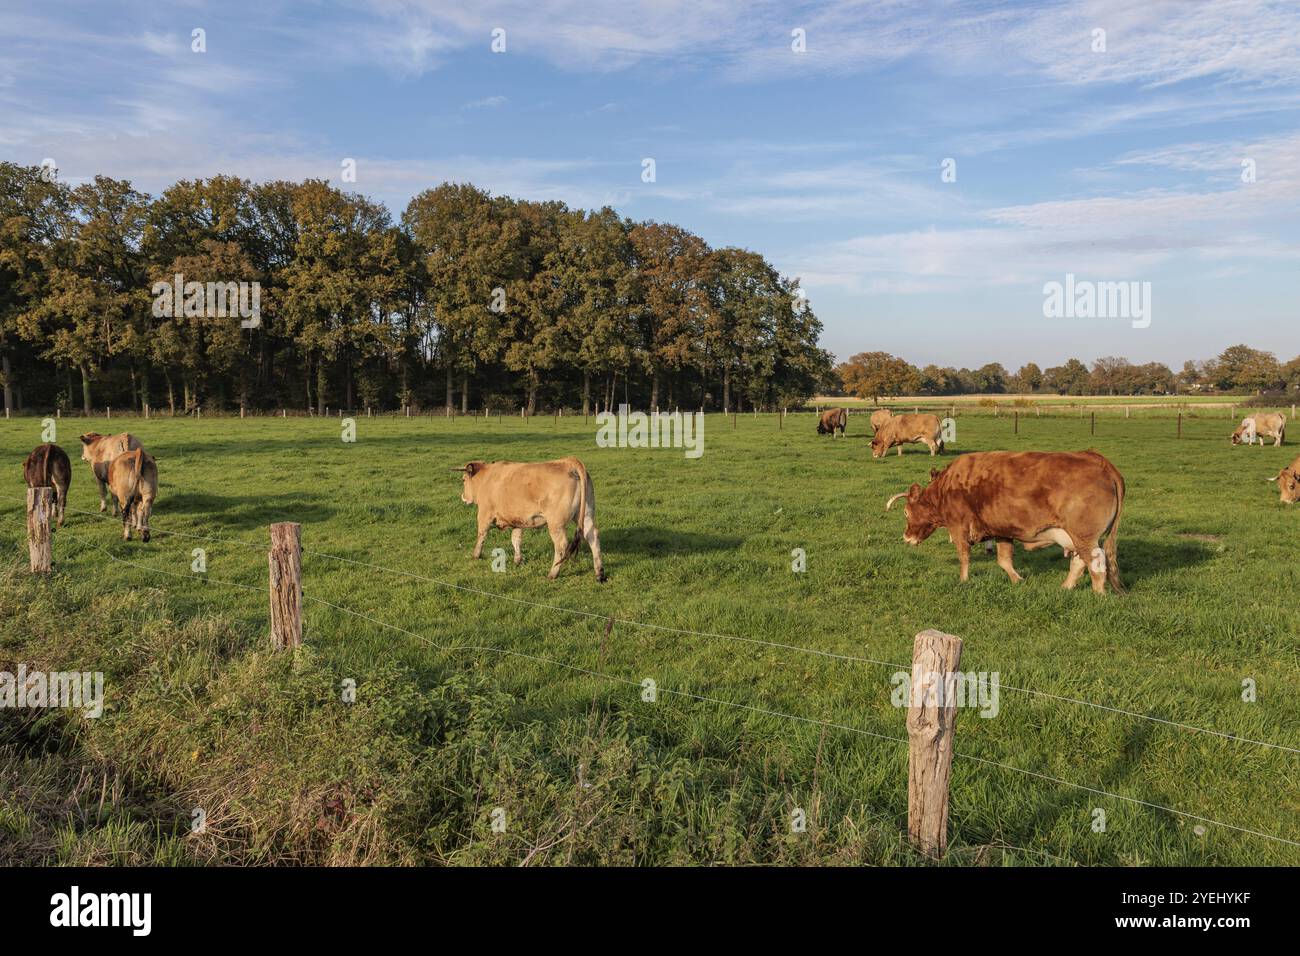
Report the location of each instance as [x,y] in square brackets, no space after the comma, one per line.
[1115,164]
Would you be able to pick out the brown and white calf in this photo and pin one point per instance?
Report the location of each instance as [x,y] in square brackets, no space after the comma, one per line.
[519,495]
[133,481]
[901,429]
[1074,499]
[48,467]
[1258,427]
[99,450]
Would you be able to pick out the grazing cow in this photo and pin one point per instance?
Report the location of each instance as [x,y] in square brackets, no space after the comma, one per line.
[1073,499]
[98,450]
[48,467]
[901,429]
[133,480]
[832,419]
[520,495]
[1265,424]
[879,417]
[1288,482]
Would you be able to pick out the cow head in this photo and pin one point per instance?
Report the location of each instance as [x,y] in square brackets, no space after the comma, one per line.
[1288,484]
[922,519]
[87,441]
[468,473]
[821,428]
[1245,432]
[880,443]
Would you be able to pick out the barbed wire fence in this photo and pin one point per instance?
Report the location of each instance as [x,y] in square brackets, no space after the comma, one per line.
[750,709]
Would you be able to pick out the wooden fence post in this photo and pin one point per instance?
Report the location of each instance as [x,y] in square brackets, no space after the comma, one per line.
[1092,429]
[1180,424]
[1016,429]
[931,714]
[285,560]
[40,503]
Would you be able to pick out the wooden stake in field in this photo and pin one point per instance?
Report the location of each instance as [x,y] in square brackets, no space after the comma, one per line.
[1180,424]
[931,715]
[285,560]
[1016,429]
[40,504]
[1092,430]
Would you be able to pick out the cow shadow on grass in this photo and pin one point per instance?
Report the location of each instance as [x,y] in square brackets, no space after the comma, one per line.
[1138,558]
[658,541]
[233,513]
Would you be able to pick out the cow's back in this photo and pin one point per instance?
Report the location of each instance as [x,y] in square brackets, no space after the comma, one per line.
[1003,488]
[517,490]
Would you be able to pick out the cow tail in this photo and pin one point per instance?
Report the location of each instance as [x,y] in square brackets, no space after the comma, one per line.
[576,543]
[1112,542]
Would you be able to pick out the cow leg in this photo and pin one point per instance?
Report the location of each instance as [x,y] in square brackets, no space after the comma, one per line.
[1077,566]
[126,519]
[1005,550]
[963,553]
[934,447]
[143,508]
[517,539]
[593,541]
[483,528]
[103,496]
[60,501]
[560,539]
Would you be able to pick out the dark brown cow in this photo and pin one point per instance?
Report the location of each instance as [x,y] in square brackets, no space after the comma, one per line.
[1073,499]
[133,481]
[48,467]
[519,495]
[832,419]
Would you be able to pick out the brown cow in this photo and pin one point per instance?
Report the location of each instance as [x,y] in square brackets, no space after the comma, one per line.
[520,495]
[48,467]
[1266,424]
[879,417]
[832,419]
[1288,482]
[133,480]
[1073,499]
[98,450]
[901,429]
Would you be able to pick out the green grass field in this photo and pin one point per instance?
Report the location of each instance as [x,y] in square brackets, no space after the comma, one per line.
[485,700]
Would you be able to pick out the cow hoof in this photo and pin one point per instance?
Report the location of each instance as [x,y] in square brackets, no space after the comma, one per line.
[144,536]
[601,577]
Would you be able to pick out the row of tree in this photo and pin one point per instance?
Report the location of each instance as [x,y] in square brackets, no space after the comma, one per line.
[486,300]
[1239,368]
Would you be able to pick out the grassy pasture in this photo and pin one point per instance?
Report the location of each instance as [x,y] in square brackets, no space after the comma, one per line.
[587,772]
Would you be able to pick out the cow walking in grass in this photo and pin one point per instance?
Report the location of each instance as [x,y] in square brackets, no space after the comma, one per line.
[901,429]
[99,451]
[1258,427]
[1074,499]
[133,481]
[519,495]
[831,419]
[48,467]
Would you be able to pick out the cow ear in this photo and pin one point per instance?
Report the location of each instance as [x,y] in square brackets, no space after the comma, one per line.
[913,492]
[86,439]
[470,469]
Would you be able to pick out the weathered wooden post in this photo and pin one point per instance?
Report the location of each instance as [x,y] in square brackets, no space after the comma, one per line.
[1016,428]
[285,560]
[931,715]
[1180,424]
[40,504]
[1092,429]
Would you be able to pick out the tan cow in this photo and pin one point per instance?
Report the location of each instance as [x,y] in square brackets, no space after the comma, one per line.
[133,480]
[98,450]
[832,419]
[1288,482]
[1073,499]
[901,429]
[879,417]
[1265,424]
[519,495]
[48,467]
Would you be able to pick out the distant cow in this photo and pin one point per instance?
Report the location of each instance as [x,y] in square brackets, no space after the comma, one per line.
[879,417]
[1288,482]
[133,480]
[1268,424]
[520,495]
[832,419]
[48,467]
[901,429]
[98,450]
[1073,499]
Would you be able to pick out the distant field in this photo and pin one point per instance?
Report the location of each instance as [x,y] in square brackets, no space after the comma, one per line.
[533,711]
[1048,401]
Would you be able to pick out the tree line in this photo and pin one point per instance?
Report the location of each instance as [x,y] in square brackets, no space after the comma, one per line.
[1238,369]
[471,299]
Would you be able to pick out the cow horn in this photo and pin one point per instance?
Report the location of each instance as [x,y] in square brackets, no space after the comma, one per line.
[890,503]
[1274,478]
[461,468]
